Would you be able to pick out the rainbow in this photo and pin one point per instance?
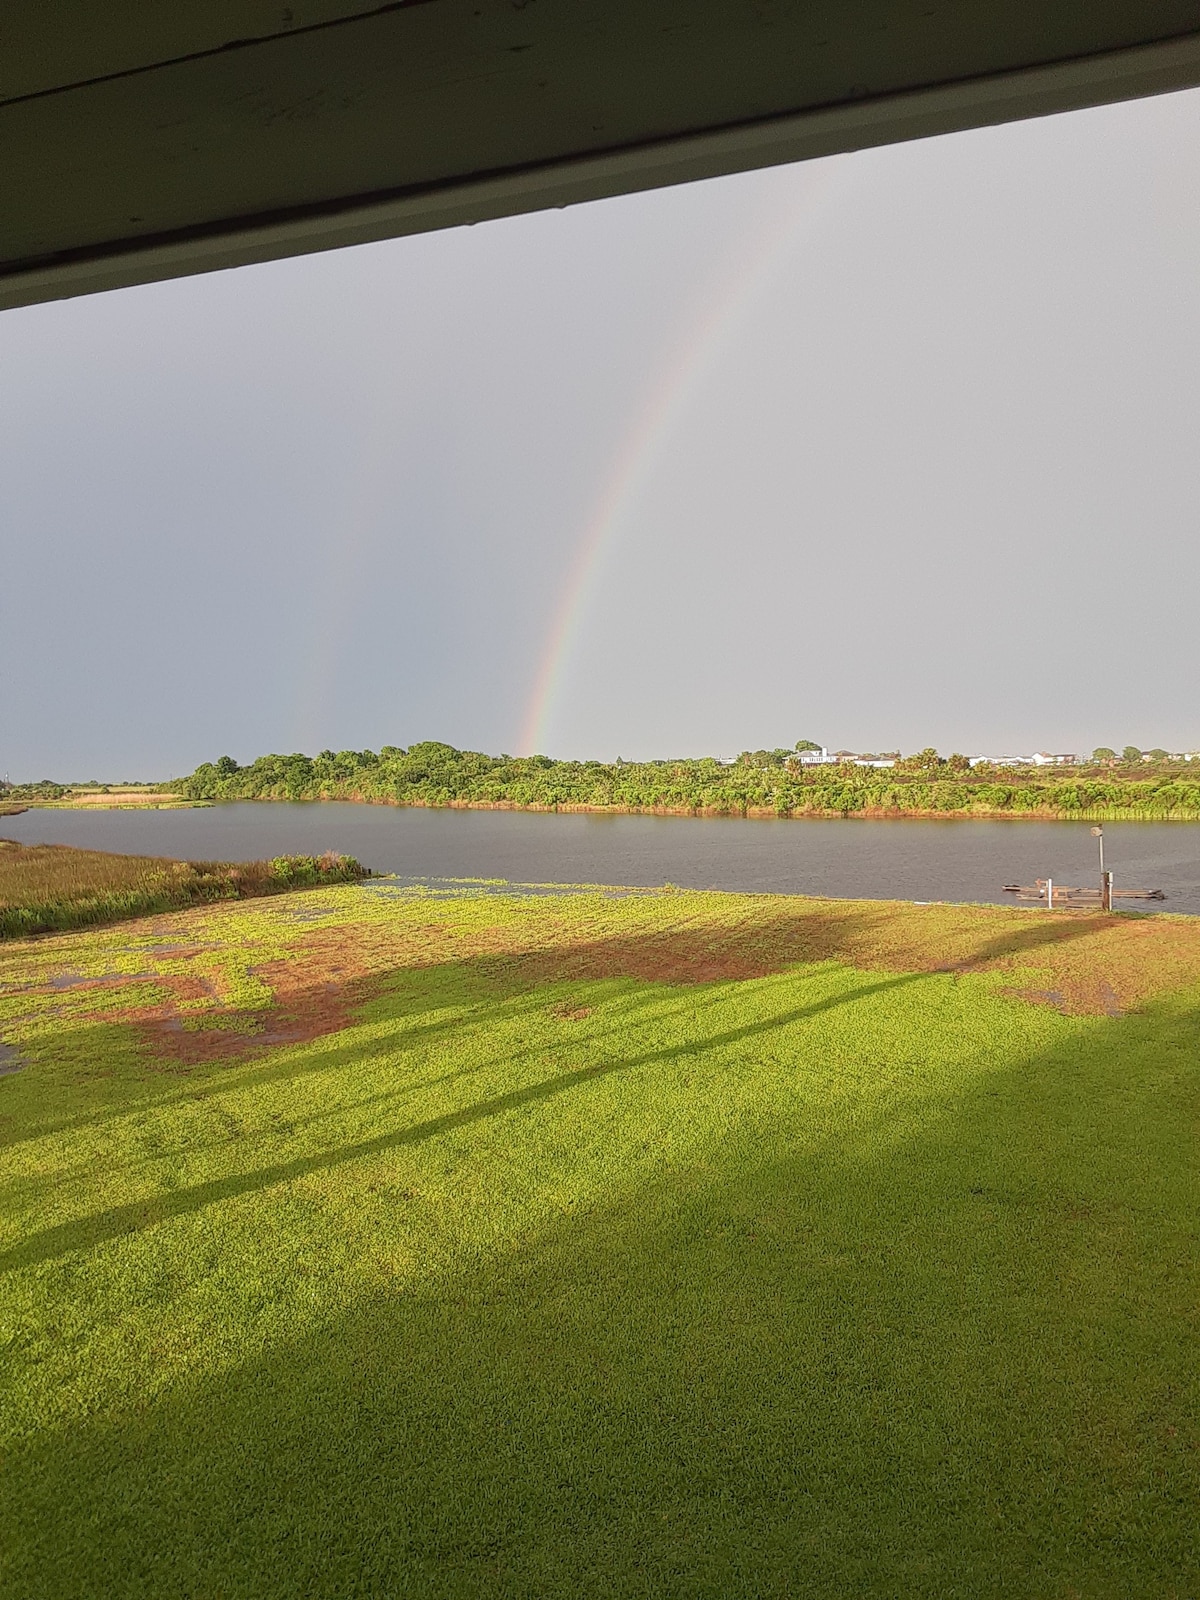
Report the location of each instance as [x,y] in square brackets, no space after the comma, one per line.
[681,378]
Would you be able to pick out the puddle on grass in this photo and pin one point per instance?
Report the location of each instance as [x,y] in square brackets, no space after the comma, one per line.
[97,980]
[171,952]
[10,1061]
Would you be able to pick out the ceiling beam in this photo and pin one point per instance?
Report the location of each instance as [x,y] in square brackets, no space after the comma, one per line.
[129,155]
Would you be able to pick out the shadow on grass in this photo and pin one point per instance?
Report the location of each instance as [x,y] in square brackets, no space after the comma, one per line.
[955,1364]
[773,940]
[85,1232]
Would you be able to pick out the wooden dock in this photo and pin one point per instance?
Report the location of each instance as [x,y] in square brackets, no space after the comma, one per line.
[1063,895]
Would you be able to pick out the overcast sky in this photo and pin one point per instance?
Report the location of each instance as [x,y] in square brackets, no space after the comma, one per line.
[892,449]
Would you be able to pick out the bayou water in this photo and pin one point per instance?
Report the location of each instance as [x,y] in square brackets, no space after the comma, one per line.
[956,859]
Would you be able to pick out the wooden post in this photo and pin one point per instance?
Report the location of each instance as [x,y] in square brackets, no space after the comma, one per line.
[1049,894]
[1106,891]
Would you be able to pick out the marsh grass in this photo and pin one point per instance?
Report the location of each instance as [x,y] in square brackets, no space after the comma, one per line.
[50,887]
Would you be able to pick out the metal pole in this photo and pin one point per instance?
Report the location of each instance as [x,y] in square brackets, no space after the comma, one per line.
[1049,894]
[1098,835]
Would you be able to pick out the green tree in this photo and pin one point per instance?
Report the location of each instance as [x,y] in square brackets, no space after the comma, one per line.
[1131,753]
[926,760]
[227,766]
[1103,753]
[806,744]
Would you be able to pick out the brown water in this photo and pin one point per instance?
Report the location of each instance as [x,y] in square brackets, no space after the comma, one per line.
[955,859]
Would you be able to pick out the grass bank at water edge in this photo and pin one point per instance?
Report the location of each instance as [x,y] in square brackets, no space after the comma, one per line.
[50,887]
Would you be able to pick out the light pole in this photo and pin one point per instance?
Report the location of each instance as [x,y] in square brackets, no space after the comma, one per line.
[1106,888]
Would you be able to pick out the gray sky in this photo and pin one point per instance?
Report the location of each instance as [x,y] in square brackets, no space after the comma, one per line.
[892,449]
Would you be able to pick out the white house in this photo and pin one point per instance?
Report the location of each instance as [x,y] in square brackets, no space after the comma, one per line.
[839,758]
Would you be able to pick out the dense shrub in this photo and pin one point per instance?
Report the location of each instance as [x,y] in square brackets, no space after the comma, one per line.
[434,774]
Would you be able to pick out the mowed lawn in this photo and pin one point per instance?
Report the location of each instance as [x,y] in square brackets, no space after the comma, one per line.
[371,1243]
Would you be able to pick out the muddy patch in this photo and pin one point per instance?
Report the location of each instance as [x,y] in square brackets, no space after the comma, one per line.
[180,987]
[295,1017]
[1079,965]
[62,981]
[10,1060]
[171,952]
[1076,964]
[1053,999]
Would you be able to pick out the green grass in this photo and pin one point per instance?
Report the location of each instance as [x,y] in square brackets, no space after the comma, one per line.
[542,1279]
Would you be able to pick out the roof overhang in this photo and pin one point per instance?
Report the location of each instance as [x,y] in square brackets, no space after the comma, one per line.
[141,143]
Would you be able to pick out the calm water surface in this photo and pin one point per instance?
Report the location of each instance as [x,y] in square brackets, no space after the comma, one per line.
[901,860]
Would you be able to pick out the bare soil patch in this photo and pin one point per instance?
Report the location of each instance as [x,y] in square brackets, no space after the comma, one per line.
[1083,965]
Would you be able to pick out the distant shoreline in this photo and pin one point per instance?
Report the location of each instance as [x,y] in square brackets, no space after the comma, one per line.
[748,813]
[760,784]
[163,801]
[105,803]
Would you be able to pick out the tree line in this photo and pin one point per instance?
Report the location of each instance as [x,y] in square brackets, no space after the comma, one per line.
[759,782]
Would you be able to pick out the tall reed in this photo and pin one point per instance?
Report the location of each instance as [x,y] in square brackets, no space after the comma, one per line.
[51,887]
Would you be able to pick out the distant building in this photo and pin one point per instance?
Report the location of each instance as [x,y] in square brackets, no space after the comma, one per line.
[840,758]
[1040,758]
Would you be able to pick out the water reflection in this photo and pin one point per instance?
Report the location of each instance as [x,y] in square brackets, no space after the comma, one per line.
[956,859]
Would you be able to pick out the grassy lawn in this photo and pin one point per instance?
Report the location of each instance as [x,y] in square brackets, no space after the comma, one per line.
[364,1242]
